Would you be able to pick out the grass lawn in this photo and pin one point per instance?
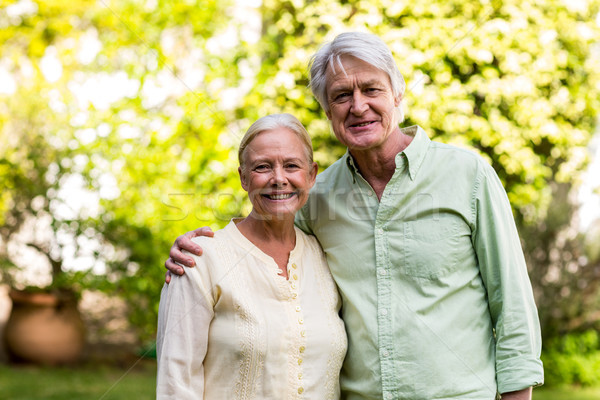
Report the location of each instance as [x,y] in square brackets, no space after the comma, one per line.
[545,393]
[101,382]
[80,383]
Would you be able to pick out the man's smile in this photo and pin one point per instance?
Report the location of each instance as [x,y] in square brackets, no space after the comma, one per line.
[361,124]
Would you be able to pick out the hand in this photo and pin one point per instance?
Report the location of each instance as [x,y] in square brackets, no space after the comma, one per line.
[184,242]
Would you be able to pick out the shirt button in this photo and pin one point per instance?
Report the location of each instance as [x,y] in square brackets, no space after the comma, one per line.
[380,231]
[387,395]
[300,321]
[293,285]
[302,348]
[294,295]
[381,271]
[303,333]
[300,390]
[300,375]
[295,277]
[384,312]
[298,308]
[294,266]
[386,353]
[370,193]
[299,361]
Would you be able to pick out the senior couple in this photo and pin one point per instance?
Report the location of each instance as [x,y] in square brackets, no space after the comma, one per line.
[417,236]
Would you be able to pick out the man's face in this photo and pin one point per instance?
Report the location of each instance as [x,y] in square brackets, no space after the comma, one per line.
[361,104]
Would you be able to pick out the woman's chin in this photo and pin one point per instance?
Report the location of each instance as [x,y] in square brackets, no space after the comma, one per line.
[275,215]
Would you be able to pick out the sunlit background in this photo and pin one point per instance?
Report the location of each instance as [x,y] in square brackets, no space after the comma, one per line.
[119,124]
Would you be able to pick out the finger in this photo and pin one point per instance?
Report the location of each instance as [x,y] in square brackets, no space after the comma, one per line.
[178,257]
[174,267]
[168,277]
[184,242]
[204,231]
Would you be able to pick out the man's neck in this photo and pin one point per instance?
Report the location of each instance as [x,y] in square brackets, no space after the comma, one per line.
[377,165]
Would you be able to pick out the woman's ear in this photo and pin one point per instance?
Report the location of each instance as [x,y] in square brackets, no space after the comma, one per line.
[242,178]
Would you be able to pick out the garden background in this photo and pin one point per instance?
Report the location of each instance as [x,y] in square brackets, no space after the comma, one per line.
[119,121]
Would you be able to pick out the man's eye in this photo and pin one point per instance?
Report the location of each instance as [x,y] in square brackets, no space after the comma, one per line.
[342,96]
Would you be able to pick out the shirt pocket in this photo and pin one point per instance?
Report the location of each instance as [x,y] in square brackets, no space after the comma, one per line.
[433,246]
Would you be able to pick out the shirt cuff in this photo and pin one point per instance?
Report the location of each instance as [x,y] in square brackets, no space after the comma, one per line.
[519,373]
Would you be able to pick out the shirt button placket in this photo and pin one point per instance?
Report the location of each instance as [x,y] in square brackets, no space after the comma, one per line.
[383,302]
[293,280]
[293,273]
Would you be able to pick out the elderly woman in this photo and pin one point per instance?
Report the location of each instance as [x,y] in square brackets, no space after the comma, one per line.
[260,318]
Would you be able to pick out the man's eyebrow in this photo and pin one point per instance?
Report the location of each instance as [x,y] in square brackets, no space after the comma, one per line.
[344,86]
[372,82]
[340,88]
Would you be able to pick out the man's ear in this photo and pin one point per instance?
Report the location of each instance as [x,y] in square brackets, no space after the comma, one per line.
[398,99]
[242,179]
[313,173]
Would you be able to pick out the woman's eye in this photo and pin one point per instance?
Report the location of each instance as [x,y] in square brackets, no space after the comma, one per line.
[262,167]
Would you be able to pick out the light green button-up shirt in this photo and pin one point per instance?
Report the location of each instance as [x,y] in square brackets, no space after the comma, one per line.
[436,298]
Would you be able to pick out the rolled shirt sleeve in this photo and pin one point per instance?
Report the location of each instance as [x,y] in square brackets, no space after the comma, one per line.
[504,273]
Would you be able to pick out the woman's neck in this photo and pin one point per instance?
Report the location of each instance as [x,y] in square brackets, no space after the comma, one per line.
[268,229]
[276,238]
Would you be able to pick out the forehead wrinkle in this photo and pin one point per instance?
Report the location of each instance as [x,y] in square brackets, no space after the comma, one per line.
[259,156]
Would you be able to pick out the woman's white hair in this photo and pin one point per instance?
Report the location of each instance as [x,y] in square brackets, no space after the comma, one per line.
[273,122]
[364,46]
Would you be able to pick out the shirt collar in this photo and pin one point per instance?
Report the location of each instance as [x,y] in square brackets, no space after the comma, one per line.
[417,149]
[349,161]
[414,153]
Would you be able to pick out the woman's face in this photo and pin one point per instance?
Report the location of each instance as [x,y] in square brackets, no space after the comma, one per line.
[277,174]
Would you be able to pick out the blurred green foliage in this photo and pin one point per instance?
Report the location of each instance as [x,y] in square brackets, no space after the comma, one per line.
[573,359]
[143,103]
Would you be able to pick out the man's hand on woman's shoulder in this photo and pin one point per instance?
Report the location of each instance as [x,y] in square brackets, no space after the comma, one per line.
[184,242]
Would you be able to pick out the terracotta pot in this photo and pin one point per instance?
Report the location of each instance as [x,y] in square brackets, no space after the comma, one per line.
[44,328]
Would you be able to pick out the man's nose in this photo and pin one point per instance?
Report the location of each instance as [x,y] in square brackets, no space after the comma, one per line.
[359,103]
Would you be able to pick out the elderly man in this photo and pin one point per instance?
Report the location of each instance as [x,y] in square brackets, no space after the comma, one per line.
[421,241]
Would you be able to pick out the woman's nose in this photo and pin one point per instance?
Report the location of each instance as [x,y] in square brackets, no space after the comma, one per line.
[278,175]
